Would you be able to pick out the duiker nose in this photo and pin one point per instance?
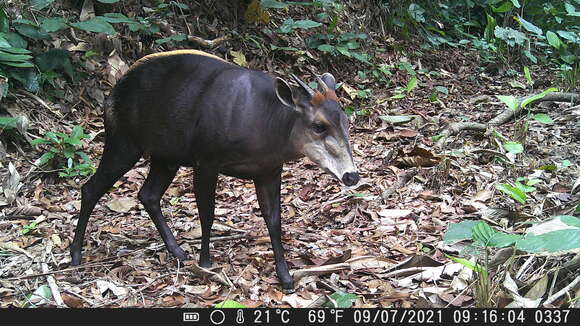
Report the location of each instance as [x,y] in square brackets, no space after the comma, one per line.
[350,178]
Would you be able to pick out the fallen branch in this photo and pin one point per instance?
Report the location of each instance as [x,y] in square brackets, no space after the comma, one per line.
[207,43]
[224,238]
[563,291]
[319,270]
[50,279]
[505,116]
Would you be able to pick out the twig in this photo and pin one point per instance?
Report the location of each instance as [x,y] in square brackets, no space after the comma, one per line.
[563,291]
[49,278]
[41,101]
[524,267]
[60,271]
[320,270]
[207,43]
[224,238]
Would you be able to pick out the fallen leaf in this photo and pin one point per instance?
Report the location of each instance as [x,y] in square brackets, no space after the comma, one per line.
[239,58]
[72,301]
[121,205]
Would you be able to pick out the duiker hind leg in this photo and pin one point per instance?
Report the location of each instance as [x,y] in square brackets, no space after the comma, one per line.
[158,180]
[204,183]
[119,156]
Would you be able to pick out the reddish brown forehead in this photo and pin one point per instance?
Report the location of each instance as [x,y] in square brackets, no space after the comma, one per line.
[319,97]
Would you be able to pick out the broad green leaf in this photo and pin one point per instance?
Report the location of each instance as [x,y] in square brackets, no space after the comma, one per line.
[543,118]
[570,36]
[40,4]
[416,12]
[306,24]
[571,10]
[4,21]
[229,304]
[489,28]
[97,25]
[32,31]
[39,141]
[342,299]
[532,182]
[115,17]
[175,37]
[283,48]
[14,57]
[326,48]
[44,158]
[504,7]
[548,167]
[363,57]
[411,84]
[513,192]
[53,24]
[17,64]
[290,24]
[513,147]
[473,266]
[273,4]
[41,295]
[77,132]
[536,97]
[108,1]
[561,240]
[528,75]
[530,27]
[482,232]
[524,188]
[4,42]
[7,123]
[510,35]
[29,78]
[341,49]
[84,157]
[16,40]
[509,100]
[570,220]
[516,3]
[553,39]
[488,237]
[459,231]
[397,118]
[442,89]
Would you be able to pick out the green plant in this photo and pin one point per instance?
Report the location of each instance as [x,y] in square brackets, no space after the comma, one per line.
[401,92]
[230,304]
[29,228]
[340,299]
[519,189]
[63,153]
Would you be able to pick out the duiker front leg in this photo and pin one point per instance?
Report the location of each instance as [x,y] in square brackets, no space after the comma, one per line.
[204,183]
[158,180]
[268,191]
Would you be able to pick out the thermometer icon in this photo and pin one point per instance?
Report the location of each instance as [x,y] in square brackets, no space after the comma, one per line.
[240,316]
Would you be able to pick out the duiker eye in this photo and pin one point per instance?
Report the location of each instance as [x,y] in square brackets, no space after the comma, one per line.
[318,128]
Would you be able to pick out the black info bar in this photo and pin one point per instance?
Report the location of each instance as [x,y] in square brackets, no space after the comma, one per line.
[305,316]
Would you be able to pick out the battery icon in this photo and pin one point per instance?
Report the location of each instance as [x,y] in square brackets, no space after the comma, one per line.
[190,316]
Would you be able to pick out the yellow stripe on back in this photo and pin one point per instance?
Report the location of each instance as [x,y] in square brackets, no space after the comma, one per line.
[175,52]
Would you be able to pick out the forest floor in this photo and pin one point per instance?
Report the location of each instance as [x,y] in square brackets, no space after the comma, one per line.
[380,240]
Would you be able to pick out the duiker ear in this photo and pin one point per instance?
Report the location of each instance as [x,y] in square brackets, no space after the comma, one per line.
[329,80]
[284,92]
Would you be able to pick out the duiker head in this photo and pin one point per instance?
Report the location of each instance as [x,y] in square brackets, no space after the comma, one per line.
[321,130]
